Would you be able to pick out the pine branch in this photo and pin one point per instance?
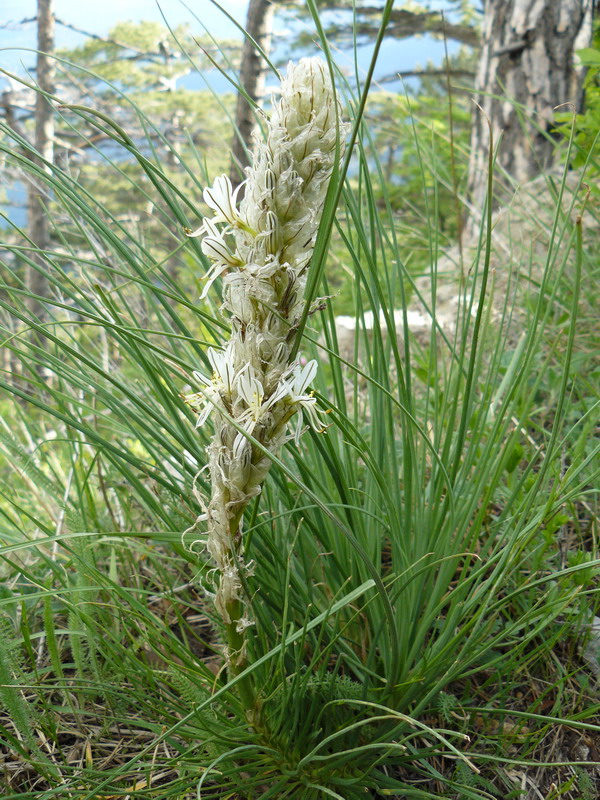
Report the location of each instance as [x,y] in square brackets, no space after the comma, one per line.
[420,73]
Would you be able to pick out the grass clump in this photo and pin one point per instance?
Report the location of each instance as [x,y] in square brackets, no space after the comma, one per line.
[423,592]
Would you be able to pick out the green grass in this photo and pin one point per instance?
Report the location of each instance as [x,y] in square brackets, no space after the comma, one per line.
[425,572]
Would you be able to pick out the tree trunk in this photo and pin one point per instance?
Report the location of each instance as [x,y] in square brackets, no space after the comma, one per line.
[259,26]
[44,144]
[526,69]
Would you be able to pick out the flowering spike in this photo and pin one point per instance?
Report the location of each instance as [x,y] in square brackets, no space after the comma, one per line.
[264,249]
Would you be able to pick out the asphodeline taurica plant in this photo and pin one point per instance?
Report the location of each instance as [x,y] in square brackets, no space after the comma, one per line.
[262,247]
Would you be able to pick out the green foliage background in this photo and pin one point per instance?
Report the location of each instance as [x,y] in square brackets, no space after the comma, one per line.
[419,569]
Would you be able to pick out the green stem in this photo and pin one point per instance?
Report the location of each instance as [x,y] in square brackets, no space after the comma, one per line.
[236,639]
[237,658]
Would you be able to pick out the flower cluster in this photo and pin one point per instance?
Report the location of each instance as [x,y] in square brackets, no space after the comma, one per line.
[262,247]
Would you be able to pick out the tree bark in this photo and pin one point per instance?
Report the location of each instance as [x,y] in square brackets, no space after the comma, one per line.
[526,69]
[259,26]
[39,229]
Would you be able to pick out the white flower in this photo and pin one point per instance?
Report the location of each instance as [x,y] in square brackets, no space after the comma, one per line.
[216,248]
[198,232]
[251,390]
[211,276]
[217,388]
[294,390]
[209,397]
[302,377]
[223,366]
[223,201]
[249,387]
[236,298]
